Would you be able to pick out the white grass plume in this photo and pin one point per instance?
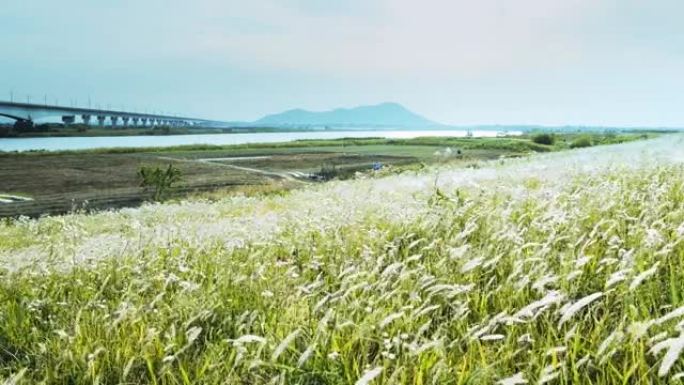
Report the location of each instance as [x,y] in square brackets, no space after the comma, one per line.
[676,313]
[548,374]
[643,276]
[529,311]
[369,376]
[571,310]
[249,338]
[388,320]
[674,347]
[192,334]
[613,338]
[306,355]
[617,277]
[556,350]
[16,378]
[283,345]
[472,264]
[426,346]
[492,337]
[516,379]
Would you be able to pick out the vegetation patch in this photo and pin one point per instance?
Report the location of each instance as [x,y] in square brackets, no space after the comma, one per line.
[530,272]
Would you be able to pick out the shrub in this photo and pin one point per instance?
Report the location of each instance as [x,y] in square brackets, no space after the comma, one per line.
[582,141]
[544,138]
[158,180]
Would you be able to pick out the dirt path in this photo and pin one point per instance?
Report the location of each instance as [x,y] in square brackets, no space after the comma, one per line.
[276,174]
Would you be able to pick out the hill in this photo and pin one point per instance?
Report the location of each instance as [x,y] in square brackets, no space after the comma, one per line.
[385,114]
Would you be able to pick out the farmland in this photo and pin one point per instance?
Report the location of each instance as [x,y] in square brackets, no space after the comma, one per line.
[559,268]
[58,182]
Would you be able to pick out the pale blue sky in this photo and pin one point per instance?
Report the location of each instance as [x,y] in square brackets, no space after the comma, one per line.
[552,62]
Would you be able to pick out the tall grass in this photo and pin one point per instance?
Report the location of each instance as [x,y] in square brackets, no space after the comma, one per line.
[526,272]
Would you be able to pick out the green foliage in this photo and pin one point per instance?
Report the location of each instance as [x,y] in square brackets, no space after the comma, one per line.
[544,138]
[159,180]
[328,172]
[582,141]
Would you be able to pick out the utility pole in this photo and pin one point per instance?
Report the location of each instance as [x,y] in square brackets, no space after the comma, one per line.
[45,100]
[28,99]
[12,96]
[89,106]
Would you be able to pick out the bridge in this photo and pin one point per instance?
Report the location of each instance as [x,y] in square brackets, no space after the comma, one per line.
[26,113]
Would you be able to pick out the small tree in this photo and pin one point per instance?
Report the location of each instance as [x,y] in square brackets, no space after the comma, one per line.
[158,180]
[544,138]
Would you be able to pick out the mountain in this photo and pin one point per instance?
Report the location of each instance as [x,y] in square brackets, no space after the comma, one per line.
[385,114]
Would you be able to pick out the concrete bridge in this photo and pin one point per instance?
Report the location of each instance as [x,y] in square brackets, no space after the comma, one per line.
[25,113]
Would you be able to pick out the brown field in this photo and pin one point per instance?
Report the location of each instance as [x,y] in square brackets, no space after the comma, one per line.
[58,183]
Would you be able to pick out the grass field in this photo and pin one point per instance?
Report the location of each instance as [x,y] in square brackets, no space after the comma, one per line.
[58,182]
[562,268]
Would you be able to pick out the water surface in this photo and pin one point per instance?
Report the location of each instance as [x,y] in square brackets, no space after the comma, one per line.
[83,143]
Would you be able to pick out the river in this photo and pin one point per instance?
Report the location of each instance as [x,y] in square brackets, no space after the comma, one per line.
[84,143]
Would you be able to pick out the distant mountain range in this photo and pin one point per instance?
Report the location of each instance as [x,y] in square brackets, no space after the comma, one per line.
[384,114]
[390,116]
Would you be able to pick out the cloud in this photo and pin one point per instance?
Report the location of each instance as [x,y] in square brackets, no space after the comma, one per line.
[402,36]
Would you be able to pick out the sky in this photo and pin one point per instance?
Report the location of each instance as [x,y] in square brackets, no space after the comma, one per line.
[460,62]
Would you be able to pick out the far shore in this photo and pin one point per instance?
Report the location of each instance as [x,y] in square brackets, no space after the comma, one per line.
[54,130]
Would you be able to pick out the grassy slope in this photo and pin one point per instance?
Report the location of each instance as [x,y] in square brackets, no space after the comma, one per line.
[425,285]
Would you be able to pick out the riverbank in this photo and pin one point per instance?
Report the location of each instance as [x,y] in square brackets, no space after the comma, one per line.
[80,130]
[58,182]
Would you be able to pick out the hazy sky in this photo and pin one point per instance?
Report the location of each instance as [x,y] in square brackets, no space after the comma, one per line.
[553,62]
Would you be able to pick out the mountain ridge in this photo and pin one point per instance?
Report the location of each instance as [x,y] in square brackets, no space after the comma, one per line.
[383,114]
